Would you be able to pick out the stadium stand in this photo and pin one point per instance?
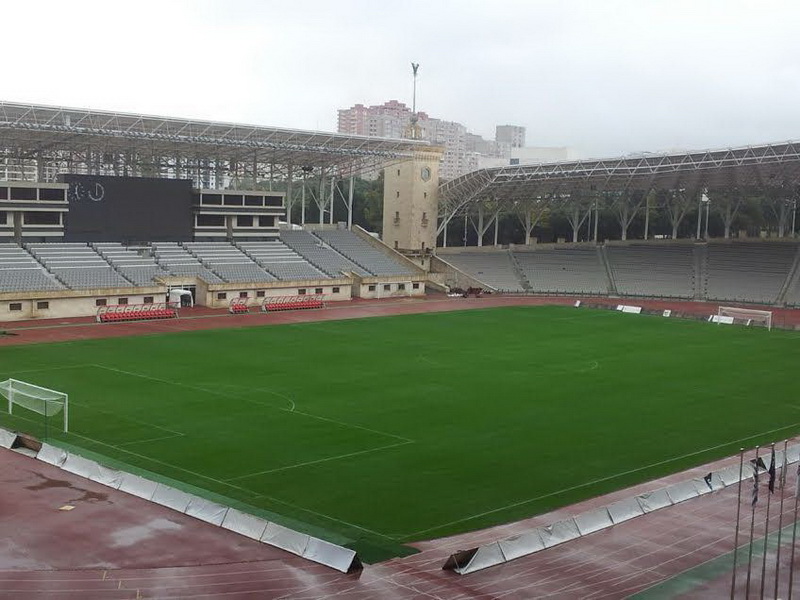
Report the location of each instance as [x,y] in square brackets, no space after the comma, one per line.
[495,269]
[19,271]
[78,266]
[573,270]
[135,263]
[748,272]
[228,262]
[321,255]
[177,261]
[650,270]
[362,253]
[281,261]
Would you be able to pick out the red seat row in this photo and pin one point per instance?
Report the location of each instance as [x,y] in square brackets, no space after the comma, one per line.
[238,309]
[144,315]
[294,305]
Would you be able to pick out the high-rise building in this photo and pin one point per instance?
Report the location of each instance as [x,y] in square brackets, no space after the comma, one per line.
[513,135]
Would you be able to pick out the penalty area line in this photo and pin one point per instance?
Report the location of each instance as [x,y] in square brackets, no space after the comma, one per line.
[318,461]
[594,481]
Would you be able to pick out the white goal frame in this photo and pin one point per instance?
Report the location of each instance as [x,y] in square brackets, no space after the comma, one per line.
[43,401]
[746,314]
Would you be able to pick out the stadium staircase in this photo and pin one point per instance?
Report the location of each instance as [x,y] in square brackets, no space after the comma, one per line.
[526,284]
[791,279]
[603,256]
[700,271]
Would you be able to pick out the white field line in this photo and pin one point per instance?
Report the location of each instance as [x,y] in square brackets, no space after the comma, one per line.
[318,461]
[153,439]
[292,409]
[595,481]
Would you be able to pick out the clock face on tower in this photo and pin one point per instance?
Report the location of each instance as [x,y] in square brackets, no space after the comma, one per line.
[425,174]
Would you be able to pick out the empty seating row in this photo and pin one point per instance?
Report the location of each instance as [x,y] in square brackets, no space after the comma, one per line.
[564,270]
[228,262]
[278,303]
[281,261]
[321,255]
[662,271]
[135,312]
[136,264]
[19,271]
[748,272]
[362,253]
[495,269]
[176,260]
[78,266]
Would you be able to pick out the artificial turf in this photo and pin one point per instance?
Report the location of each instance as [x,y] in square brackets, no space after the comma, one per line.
[380,431]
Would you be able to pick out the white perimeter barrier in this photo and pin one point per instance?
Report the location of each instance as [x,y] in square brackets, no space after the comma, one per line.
[720,319]
[541,538]
[629,309]
[303,545]
[7,438]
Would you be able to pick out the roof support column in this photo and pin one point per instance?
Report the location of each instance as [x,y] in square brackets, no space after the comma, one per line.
[289,192]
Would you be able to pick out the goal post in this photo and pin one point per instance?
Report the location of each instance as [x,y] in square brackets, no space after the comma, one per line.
[746,316]
[37,399]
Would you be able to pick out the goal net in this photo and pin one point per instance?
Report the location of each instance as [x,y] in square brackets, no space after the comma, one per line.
[40,400]
[745,316]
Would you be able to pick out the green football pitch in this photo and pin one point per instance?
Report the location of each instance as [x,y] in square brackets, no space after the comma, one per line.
[380,431]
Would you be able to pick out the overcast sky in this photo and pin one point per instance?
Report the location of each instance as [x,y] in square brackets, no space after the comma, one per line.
[604,77]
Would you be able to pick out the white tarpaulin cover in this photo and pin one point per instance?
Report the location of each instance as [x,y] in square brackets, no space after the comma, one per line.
[624,510]
[592,521]
[51,455]
[110,477]
[521,545]
[730,475]
[80,466]
[654,500]
[285,538]
[205,510]
[244,524]
[171,498]
[330,555]
[7,438]
[486,556]
[138,486]
[558,532]
[793,452]
[683,490]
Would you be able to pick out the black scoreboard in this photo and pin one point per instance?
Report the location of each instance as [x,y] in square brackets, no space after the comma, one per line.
[128,209]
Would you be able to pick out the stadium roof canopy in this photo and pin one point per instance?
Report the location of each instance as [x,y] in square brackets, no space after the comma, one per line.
[53,139]
[746,170]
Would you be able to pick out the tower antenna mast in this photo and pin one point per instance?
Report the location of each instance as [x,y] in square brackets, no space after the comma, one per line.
[414,118]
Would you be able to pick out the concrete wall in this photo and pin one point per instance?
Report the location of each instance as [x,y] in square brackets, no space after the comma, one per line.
[256,293]
[70,304]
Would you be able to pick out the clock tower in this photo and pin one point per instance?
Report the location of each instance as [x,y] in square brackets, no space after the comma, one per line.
[411,202]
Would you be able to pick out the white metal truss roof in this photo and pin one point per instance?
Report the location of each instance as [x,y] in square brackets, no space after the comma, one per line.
[751,167]
[47,133]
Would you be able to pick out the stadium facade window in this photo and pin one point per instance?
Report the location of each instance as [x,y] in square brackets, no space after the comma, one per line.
[233,200]
[398,172]
[100,302]
[398,194]
[15,306]
[401,286]
[371,288]
[23,193]
[3,217]
[122,301]
[3,193]
[317,291]
[415,286]
[265,221]
[222,296]
[148,300]
[210,220]
[273,200]
[244,220]
[254,200]
[211,199]
[335,290]
[42,305]
[301,292]
[242,294]
[260,293]
[51,194]
[424,194]
[42,218]
[387,287]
